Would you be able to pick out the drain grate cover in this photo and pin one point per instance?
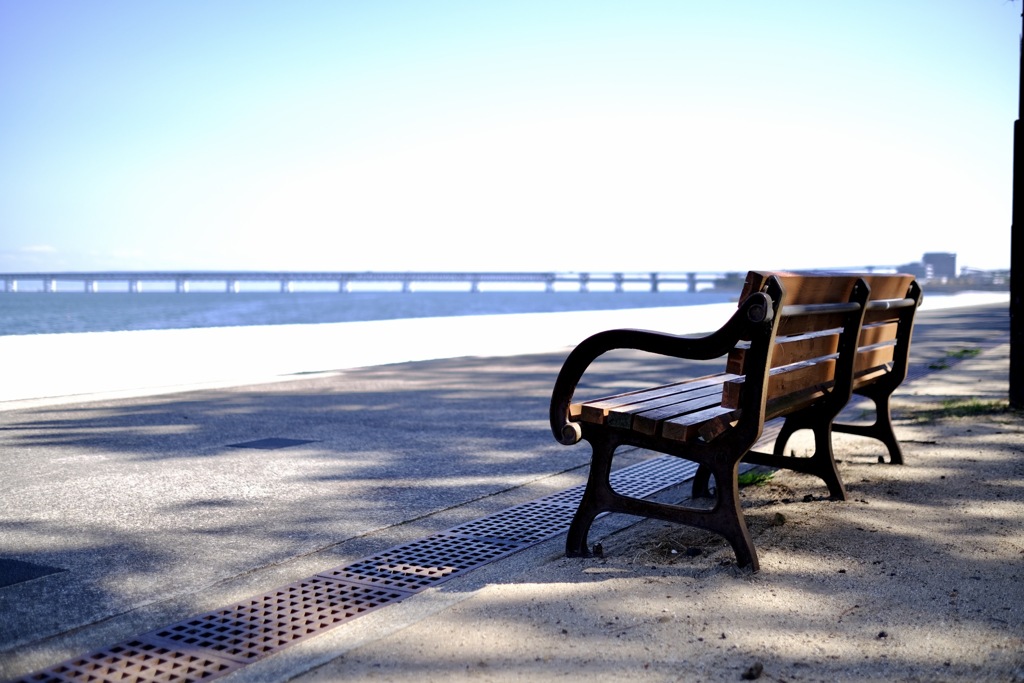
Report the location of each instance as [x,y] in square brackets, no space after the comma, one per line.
[569,497]
[524,524]
[271,444]
[137,662]
[275,620]
[666,469]
[417,565]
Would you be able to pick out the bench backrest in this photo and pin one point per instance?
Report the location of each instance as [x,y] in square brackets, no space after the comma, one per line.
[820,316]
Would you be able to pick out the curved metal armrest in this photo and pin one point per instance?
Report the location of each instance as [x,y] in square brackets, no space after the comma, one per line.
[755,309]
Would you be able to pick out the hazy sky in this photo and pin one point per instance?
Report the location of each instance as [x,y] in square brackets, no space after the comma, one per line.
[491,135]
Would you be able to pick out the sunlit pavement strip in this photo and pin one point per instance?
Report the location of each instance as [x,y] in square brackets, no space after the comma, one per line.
[210,645]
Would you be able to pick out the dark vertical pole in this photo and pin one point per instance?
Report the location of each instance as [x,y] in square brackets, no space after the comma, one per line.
[1017,249]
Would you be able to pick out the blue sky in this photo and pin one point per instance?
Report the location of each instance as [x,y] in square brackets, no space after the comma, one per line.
[520,135]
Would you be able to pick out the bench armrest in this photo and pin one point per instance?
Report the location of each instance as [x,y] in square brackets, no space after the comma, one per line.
[755,309]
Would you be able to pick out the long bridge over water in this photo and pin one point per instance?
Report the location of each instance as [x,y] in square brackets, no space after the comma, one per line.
[290,281]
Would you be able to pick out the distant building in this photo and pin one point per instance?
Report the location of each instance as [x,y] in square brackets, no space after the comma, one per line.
[939,265]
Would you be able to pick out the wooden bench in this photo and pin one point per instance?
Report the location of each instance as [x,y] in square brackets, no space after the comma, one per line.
[797,347]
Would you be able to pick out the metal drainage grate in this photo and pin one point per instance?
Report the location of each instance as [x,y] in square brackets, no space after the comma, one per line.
[527,524]
[210,645]
[135,662]
[265,624]
[421,564]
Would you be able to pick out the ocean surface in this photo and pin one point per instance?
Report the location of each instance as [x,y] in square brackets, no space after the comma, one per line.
[67,312]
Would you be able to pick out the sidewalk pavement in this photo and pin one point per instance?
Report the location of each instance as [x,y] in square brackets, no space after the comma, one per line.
[148,510]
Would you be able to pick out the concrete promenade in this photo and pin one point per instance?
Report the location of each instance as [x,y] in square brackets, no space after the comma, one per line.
[124,513]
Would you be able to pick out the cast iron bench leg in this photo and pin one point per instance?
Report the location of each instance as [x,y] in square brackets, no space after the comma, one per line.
[729,518]
[881,428]
[596,499]
[821,464]
[701,487]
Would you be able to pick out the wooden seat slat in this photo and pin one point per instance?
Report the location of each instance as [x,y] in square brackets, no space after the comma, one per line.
[648,421]
[688,427]
[597,410]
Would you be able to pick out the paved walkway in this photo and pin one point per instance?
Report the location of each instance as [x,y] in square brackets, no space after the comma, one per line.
[145,511]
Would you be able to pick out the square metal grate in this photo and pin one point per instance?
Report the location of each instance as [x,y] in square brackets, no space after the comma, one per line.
[527,523]
[269,622]
[569,497]
[136,662]
[665,468]
[417,565]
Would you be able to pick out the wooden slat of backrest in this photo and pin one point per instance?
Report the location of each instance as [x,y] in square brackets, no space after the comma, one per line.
[791,326]
[817,374]
[876,350]
[800,289]
[801,377]
[820,288]
[876,333]
[888,285]
[881,316]
[791,349]
[869,376]
[873,357]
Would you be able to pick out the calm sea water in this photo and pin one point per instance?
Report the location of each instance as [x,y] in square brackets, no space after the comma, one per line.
[24,313]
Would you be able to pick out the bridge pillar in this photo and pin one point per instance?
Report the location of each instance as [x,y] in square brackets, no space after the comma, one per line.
[91,286]
[134,286]
[618,282]
[287,286]
[343,286]
[474,285]
[584,282]
[549,283]
[181,286]
[406,285]
[10,285]
[691,282]
[232,287]
[654,282]
[49,285]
